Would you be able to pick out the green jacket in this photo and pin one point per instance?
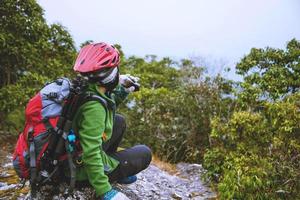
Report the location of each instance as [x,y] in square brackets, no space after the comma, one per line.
[93,130]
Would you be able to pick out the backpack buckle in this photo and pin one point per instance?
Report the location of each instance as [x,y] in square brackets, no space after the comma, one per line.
[30,134]
[59,81]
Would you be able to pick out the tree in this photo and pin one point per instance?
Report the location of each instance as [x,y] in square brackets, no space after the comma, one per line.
[31,52]
[28,44]
[255,153]
[153,73]
[22,30]
[272,73]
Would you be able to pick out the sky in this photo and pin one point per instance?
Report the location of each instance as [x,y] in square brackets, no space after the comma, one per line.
[217,31]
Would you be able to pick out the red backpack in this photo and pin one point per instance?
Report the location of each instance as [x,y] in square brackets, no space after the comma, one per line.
[43,121]
[42,111]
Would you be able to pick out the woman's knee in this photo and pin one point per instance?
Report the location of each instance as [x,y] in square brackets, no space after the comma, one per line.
[133,160]
[146,154]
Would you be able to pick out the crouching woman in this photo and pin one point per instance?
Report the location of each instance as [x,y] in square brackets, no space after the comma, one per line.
[100,129]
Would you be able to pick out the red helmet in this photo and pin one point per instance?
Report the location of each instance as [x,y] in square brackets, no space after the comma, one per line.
[94,57]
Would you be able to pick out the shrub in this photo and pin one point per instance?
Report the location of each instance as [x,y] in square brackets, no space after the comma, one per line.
[256,154]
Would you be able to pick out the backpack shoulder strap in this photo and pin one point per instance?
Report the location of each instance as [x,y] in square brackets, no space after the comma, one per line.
[94,97]
[101,100]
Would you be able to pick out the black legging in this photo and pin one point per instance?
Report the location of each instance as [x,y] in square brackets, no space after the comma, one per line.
[132,160]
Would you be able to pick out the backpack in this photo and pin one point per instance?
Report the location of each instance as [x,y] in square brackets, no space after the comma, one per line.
[48,123]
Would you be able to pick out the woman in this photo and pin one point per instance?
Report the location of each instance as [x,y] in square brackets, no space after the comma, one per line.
[100,130]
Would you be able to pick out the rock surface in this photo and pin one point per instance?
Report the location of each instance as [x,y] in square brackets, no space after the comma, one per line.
[153,183]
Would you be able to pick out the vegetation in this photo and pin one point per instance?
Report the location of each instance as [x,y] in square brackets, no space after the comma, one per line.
[246,134]
[255,153]
[31,52]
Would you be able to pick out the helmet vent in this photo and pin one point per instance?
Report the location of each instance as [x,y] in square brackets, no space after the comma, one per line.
[113,61]
[105,63]
[82,61]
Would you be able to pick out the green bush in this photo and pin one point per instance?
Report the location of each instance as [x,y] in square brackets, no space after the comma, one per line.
[255,152]
[247,177]
[255,155]
[174,123]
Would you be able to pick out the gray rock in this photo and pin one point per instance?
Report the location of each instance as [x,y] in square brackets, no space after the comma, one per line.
[152,183]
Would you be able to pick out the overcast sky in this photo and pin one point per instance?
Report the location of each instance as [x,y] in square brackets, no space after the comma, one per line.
[217,29]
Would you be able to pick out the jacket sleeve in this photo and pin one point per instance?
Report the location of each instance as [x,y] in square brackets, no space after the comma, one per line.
[91,128]
[119,95]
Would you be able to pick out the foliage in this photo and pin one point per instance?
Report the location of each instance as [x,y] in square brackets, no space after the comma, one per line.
[22,31]
[31,52]
[172,111]
[273,72]
[154,74]
[261,149]
[247,177]
[255,153]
